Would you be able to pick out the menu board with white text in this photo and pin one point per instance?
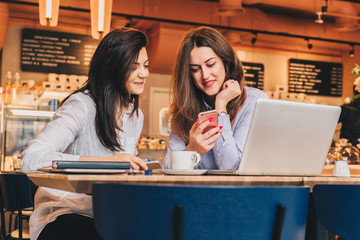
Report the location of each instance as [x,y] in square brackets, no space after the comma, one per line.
[254,74]
[315,77]
[56,52]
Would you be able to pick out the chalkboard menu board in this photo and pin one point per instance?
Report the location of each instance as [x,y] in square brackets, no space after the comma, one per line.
[56,52]
[315,78]
[254,74]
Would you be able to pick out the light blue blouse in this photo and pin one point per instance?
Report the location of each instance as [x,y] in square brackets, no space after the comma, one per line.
[229,147]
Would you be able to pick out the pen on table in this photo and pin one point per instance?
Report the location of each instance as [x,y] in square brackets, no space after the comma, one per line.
[147,172]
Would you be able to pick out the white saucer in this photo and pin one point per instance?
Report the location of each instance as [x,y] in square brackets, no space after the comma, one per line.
[183,172]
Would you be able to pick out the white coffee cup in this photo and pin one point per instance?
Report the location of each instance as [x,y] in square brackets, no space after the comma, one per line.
[184,159]
[341,169]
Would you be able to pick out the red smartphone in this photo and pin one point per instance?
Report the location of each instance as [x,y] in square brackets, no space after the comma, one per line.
[204,116]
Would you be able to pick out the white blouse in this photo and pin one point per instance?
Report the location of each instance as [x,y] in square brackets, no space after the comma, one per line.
[69,135]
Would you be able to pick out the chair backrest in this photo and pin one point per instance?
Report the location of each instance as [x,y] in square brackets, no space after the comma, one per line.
[15,195]
[124,211]
[15,191]
[337,209]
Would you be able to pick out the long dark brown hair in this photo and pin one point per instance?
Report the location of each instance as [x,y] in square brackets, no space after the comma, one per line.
[187,98]
[110,67]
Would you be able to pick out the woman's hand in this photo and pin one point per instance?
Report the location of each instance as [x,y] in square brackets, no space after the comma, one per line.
[230,90]
[201,141]
[135,162]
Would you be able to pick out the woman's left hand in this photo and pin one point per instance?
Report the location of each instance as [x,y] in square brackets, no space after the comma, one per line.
[230,90]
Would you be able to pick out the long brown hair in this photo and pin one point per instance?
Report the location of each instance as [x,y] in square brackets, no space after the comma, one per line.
[187,98]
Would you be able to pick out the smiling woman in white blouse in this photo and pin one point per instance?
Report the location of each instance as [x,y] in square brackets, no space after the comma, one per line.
[101,122]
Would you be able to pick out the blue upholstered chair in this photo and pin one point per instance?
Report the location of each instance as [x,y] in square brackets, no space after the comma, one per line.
[15,196]
[338,209]
[123,211]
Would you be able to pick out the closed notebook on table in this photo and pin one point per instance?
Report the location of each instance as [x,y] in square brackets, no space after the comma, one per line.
[90,165]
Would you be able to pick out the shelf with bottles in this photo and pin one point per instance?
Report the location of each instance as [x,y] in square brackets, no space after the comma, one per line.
[282,93]
[152,143]
[16,92]
[27,93]
[19,125]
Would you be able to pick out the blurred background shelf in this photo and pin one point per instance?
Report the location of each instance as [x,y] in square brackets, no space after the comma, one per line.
[18,125]
[151,154]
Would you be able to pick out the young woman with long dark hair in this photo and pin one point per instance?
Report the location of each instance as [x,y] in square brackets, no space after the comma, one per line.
[99,122]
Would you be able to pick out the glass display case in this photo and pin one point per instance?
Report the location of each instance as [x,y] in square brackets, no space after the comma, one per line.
[18,125]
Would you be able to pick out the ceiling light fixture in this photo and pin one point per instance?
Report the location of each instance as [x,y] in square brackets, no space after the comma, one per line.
[324,8]
[129,24]
[309,45]
[100,17]
[347,20]
[49,12]
[352,51]
[254,39]
[319,20]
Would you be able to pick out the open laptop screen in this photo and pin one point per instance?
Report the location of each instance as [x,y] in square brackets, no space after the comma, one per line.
[288,138]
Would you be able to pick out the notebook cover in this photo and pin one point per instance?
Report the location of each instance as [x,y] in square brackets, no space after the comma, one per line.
[90,165]
[88,171]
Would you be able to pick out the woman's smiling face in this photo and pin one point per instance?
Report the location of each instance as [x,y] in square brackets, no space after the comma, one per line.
[207,70]
[137,79]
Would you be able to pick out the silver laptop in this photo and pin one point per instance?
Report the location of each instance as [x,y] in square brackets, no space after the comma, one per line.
[288,138]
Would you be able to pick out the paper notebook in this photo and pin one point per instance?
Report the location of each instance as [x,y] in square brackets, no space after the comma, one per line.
[63,164]
[87,171]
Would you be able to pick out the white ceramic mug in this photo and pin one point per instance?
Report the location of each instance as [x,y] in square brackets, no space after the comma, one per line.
[341,169]
[184,159]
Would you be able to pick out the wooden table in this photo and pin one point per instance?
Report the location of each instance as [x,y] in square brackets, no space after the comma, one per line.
[82,183]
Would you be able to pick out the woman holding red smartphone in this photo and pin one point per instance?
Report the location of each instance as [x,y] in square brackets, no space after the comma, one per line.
[209,76]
